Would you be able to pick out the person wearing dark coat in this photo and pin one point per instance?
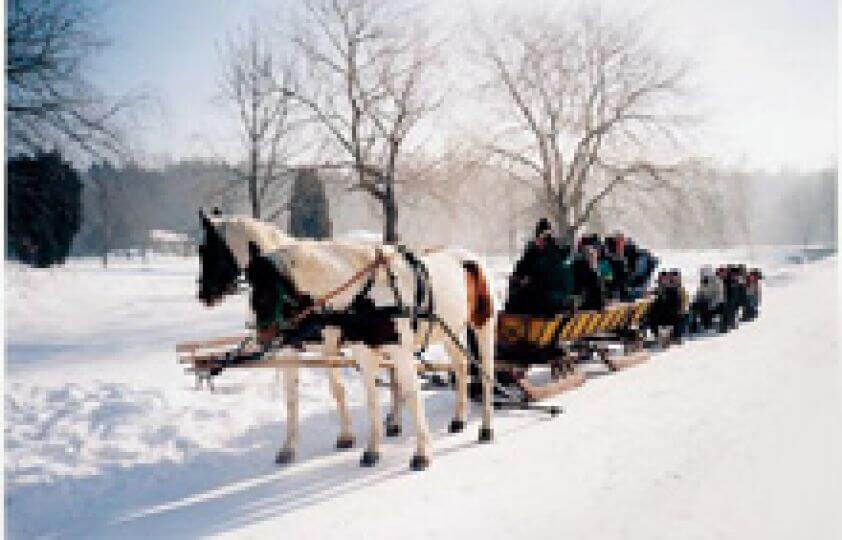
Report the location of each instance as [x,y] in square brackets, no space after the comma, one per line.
[641,265]
[728,321]
[708,301]
[682,319]
[742,295]
[542,279]
[752,294]
[615,254]
[589,285]
[670,307]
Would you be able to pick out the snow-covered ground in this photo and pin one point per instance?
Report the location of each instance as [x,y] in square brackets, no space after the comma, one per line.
[734,436]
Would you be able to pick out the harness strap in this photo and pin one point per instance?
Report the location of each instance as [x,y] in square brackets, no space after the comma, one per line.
[423,290]
[379,260]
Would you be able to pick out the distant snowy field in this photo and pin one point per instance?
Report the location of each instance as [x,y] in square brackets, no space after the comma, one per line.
[735,436]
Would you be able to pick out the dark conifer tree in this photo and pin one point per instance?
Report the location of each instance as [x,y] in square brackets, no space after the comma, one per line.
[309,215]
[44,207]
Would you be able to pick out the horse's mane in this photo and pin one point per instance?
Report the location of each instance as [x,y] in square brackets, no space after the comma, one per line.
[267,236]
[239,230]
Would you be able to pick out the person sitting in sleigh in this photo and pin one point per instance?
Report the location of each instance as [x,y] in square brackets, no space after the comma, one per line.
[670,307]
[542,280]
[708,302]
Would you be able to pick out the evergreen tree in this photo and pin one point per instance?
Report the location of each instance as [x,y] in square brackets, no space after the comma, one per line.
[44,201]
[309,215]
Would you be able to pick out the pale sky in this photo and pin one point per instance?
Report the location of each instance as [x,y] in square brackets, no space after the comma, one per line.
[767,69]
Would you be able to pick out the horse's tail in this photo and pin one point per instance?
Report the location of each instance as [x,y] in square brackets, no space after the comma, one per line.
[480,299]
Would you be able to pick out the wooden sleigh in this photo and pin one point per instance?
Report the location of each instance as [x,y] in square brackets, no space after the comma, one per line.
[523,341]
[564,341]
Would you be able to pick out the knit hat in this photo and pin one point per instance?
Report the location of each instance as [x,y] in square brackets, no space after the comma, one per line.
[542,226]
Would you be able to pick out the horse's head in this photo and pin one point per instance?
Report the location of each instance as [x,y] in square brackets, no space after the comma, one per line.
[225,252]
[219,267]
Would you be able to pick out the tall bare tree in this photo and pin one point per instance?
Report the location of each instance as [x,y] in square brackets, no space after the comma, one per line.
[50,101]
[367,71]
[253,81]
[588,107]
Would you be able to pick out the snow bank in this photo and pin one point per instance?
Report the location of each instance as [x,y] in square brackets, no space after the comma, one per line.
[731,436]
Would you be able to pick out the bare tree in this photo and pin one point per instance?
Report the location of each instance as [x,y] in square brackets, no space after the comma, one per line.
[588,108]
[366,65]
[253,81]
[50,102]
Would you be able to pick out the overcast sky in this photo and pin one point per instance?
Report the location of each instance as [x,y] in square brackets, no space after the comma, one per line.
[767,68]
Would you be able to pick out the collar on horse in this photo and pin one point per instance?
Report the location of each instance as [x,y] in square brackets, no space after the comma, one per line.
[361,312]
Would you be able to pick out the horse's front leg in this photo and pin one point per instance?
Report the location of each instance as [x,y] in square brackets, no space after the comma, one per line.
[346,437]
[369,364]
[287,452]
[345,440]
[407,375]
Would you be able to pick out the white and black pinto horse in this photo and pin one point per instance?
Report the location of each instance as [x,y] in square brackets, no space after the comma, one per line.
[310,271]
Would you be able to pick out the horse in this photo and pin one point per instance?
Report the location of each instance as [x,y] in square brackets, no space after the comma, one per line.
[319,270]
[224,257]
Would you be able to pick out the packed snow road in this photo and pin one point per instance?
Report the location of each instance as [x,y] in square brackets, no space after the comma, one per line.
[733,436]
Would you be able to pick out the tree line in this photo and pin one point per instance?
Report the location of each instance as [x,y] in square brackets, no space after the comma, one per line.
[346,120]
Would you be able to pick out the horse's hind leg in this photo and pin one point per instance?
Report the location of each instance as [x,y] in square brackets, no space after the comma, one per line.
[460,368]
[287,452]
[337,389]
[485,345]
[393,419]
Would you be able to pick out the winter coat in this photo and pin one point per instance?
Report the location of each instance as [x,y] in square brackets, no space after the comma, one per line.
[753,290]
[543,279]
[711,291]
[588,284]
[670,304]
[685,300]
[620,271]
[606,272]
[644,266]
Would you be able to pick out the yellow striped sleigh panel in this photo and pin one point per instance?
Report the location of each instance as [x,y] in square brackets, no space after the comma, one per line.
[548,331]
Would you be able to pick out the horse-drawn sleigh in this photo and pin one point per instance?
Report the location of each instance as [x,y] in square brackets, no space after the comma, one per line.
[564,341]
[334,305]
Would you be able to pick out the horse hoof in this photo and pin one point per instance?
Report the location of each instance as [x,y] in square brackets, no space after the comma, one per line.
[419,462]
[370,458]
[344,442]
[393,430]
[456,426]
[486,434]
[284,456]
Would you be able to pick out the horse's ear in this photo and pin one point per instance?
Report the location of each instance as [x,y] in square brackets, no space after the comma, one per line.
[205,221]
[254,250]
